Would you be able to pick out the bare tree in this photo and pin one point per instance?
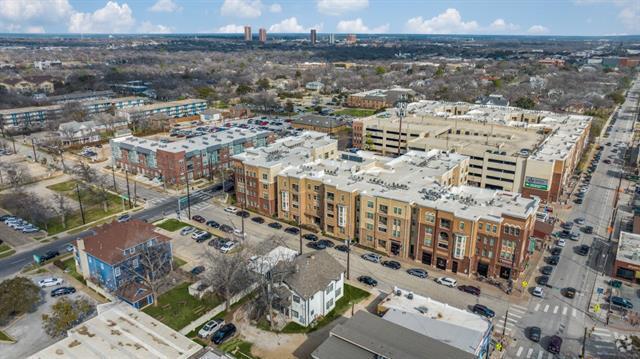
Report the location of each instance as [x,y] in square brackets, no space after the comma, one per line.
[151,267]
[229,274]
[62,207]
[85,172]
[107,120]
[15,175]
[73,111]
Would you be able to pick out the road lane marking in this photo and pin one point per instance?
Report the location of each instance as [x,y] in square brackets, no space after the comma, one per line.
[546,308]
[540,354]
[555,309]
[550,356]
[564,311]
[529,353]
[537,307]
[519,351]
[574,312]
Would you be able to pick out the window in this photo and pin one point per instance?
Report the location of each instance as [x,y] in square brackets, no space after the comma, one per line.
[507,249]
[430,217]
[330,196]
[338,291]
[294,314]
[342,216]
[135,262]
[395,233]
[427,242]
[265,186]
[330,303]
[370,204]
[428,232]
[382,220]
[265,176]
[480,225]
[382,243]
[329,288]
[370,215]
[370,238]
[495,228]
[383,208]
[488,227]
[461,225]
[459,248]
[116,271]
[397,210]
[445,223]
[369,226]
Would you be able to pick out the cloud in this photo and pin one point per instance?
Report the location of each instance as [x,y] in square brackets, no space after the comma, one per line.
[35,30]
[231,29]
[275,8]
[339,7]
[112,18]
[500,25]
[538,30]
[165,6]
[242,8]
[31,16]
[287,25]
[357,26]
[449,22]
[629,14]
[148,28]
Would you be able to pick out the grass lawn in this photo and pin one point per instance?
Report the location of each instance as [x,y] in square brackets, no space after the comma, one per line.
[6,254]
[178,262]
[221,315]
[70,268]
[172,225]
[6,338]
[356,112]
[92,204]
[4,247]
[176,308]
[235,346]
[351,296]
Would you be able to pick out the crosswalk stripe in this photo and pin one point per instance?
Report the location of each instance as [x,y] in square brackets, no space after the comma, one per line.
[564,310]
[540,354]
[511,320]
[550,356]
[546,308]
[519,307]
[574,312]
[519,351]
[529,353]
[555,309]
[537,307]
[515,315]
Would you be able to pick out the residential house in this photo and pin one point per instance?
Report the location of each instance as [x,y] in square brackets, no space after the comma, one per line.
[33,84]
[313,288]
[113,258]
[314,86]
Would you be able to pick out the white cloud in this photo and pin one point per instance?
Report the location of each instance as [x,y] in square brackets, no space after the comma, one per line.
[287,25]
[449,22]
[275,8]
[34,30]
[500,25]
[112,18]
[231,29]
[339,7]
[31,16]
[242,8]
[357,26]
[538,30]
[165,6]
[630,18]
[148,28]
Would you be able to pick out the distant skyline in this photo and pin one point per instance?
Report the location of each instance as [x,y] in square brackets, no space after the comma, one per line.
[492,17]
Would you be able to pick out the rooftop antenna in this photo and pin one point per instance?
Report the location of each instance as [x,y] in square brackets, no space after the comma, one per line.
[401,110]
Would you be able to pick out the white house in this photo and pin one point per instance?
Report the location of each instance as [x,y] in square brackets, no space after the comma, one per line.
[314,86]
[314,288]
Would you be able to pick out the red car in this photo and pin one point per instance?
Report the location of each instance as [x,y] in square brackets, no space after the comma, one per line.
[199,219]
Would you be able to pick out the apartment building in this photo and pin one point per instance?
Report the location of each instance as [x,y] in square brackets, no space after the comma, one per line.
[379,98]
[202,156]
[416,206]
[533,152]
[256,169]
[172,109]
[38,115]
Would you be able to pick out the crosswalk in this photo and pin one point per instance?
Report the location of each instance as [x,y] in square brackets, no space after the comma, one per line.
[602,343]
[531,353]
[516,313]
[557,309]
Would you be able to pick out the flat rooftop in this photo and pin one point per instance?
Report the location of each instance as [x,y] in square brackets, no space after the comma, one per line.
[121,331]
[159,105]
[319,121]
[59,107]
[440,321]
[629,248]
[198,143]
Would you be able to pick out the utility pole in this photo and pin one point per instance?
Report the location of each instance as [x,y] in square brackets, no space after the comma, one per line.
[135,193]
[64,167]
[33,145]
[348,257]
[584,342]
[300,229]
[186,175]
[113,175]
[504,325]
[126,176]
[13,141]
[80,201]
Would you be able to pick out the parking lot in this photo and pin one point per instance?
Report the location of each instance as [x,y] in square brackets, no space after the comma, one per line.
[28,329]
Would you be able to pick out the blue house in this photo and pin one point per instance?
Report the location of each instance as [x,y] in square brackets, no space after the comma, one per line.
[120,257]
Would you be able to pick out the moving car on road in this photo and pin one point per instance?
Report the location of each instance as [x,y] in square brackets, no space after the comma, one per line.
[418,272]
[582,250]
[570,292]
[367,280]
[534,334]
[391,264]
[371,257]
[470,289]
[555,345]
[231,209]
[124,218]
[449,282]
[483,310]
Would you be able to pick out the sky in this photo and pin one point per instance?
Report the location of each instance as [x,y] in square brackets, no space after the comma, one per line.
[495,17]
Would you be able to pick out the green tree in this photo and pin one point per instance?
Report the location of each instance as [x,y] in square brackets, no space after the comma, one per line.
[380,70]
[243,89]
[497,83]
[298,74]
[66,314]
[205,93]
[439,72]
[525,102]
[263,84]
[616,97]
[17,295]
[288,106]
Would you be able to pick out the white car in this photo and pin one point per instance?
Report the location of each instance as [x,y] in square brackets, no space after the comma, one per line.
[371,257]
[538,292]
[560,242]
[238,232]
[231,209]
[228,246]
[210,327]
[449,282]
[186,230]
[197,234]
[50,282]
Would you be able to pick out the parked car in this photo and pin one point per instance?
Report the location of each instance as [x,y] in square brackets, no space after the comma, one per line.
[555,251]
[470,289]
[542,280]
[582,250]
[50,282]
[197,233]
[243,214]
[449,282]
[275,225]
[587,229]
[198,218]
[483,310]
[197,270]
[228,246]
[62,291]
[342,248]
[258,220]
[317,245]
[68,248]
[224,333]
[546,270]
[560,242]
[555,345]
[203,237]
[538,292]
[186,230]
[213,224]
[231,209]
[621,302]
[30,229]
[292,230]
[569,292]
[553,260]
[418,272]
[124,218]
[210,327]
[534,334]
[310,237]
[367,280]
[579,220]
[327,243]
[226,228]
[391,264]
[371,257]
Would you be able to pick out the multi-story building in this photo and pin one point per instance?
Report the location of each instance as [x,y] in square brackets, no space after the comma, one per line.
[416,206]
[627,263]
[202,156]
[379,98]
[533,152]
[313,37]
[113,259]
[38,115]
[172,109]
[247,33]
[262,35]
[256,169]
[351,39]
